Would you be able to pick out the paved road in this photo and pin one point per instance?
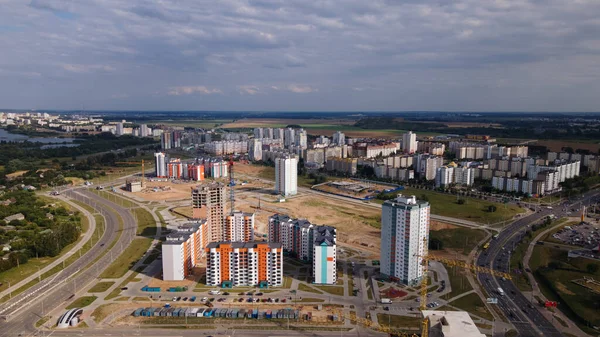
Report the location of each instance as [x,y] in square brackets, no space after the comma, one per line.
[519,310]
[54,292]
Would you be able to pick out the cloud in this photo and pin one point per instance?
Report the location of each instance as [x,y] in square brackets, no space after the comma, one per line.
[301,89]
[189,90]
[87,68]
[249,90]
[294,61]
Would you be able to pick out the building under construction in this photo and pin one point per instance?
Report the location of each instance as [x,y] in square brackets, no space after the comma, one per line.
[208,202]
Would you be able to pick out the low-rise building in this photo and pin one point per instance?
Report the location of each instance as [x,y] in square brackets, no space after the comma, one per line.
[18,217]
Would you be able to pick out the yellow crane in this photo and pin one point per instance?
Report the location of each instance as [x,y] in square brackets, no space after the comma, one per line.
[135,162]
[423,292]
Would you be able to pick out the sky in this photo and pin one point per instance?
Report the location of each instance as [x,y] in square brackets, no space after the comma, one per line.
[301,55]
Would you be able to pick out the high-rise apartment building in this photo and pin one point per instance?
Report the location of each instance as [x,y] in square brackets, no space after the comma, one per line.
[289,137]
[286,175]
[278,133]
[182,249]
[239,227]
[165,140]
[119,130]
[208,202]
[160,165]
[409,142]
[307,242]
[255,150]
[258,133]
[404,238]
[232,264]
[301,139]
[145,131]
[339,138]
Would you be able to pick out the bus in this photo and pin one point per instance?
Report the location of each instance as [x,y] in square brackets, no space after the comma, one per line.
[486,245]
[500,292]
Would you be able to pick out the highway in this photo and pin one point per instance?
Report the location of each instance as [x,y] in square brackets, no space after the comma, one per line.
[20,314]
[518,309]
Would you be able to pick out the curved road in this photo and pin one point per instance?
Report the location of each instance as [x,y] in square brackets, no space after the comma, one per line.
[518,309]
[21,313]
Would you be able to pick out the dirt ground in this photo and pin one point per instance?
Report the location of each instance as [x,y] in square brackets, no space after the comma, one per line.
[167,190]
[436,225]
[282,122]
[362,194]
[557,145]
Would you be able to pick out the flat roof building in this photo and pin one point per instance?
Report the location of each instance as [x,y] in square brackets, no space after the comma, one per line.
[182,250]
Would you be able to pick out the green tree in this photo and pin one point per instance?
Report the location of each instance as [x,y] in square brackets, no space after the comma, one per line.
[460,201]
[592,268]
[492,208]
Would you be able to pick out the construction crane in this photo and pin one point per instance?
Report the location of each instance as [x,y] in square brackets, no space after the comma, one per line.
[135,162]
[231,184]
[367,323]
[448,262]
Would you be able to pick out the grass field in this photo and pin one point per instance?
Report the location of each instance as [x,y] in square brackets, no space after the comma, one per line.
[458,282]
[397,321]
[82,302]
[101,287]
[339,291]
[473,209]
[309,289]
[146,223]
[127,259]
[460,238]
[554,272]
[473,304]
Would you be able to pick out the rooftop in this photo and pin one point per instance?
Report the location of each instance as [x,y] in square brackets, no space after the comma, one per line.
[451,324]
[250,244]
[182,233]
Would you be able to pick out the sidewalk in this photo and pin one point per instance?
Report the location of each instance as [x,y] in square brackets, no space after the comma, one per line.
[66,255]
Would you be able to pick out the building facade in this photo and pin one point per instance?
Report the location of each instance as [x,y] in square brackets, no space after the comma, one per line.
[208,202]
[160,165]
[307,242]
[286,176]
[409,142]
[232,264]
[239,227]
[404,238]
[182,249]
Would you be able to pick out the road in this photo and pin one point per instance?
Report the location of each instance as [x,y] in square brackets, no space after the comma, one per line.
[21,313]
[518,309]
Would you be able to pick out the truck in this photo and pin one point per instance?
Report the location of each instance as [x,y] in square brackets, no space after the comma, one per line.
[386,301]
[500,292]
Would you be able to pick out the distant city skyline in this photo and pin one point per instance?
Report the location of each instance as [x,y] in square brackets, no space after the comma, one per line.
[301,55]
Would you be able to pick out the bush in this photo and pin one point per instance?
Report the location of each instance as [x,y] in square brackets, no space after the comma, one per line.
[460,201]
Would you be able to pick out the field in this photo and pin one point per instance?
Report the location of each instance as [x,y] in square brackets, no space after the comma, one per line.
[127,259]
[557,145]
[473,209]
[82,302]
[352,188]
[165,190]
[459,239]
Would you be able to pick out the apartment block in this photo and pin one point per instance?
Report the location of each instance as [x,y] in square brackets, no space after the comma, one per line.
[239,227]
[404,238]
[286,175]
[307,242]
[208,202]
[233,264]
[342,165]
[160,165]
[409,142]
[182,250]
[222,148]
[255,149]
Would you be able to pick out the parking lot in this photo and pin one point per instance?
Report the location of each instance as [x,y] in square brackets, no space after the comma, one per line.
[584,234]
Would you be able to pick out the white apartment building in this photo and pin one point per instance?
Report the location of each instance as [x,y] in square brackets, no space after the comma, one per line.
[278,133]
[286,175]
[232,264]
[307,242]
[239,227]
[339,138]
[182,249]
[160,165]
[426,165]
[255,150]
[404,238]
[289,137]
[301,139]
[409,142]
[258,133]
[221,148]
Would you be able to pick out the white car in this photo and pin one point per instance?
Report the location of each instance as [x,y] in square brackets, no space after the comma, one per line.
[204,299]
[175,299]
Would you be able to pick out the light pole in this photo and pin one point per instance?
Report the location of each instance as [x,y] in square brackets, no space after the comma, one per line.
[9,291]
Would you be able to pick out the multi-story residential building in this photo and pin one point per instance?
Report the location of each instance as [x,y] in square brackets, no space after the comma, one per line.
[526,186]
[342,165]
[160,165]
[286,175]
[566,170]
[196,172]
[258,133]
[239,227]
[165,140]
[221,148]
[437,149]
[182,250]
[176,169]
[119,131]
[255,150]
[232,264]
[278,133]
[368,150]
[426,165]
[339,138]
[301,139]
[394,173]
[208,202]
[307,242]
[409,142]
[404,238]
[267,133]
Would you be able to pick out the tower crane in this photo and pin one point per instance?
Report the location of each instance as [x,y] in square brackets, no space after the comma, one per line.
[231,184]
[135,162]
[423,292]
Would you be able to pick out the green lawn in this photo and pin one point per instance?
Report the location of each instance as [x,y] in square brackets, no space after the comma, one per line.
[458,282]
[308,299]
[82,302]
[473,209]
[101,287]
[473,304]
[460,238]
[397,321]
[146,223]
[309,289]
[127,259]
[334,290]
[117,291]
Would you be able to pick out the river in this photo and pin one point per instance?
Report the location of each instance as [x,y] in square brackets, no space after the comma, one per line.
[15,137]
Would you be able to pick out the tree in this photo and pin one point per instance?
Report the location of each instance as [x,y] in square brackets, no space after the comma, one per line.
[424,197]
[460,201]
[436,244]
[592,268]
[492,208]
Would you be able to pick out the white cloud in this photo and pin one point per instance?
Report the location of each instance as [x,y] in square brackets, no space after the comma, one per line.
[249,90]
[189,90]
[86,68]
[301,89]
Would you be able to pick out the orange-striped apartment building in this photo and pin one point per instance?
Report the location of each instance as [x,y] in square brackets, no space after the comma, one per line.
[231,264]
